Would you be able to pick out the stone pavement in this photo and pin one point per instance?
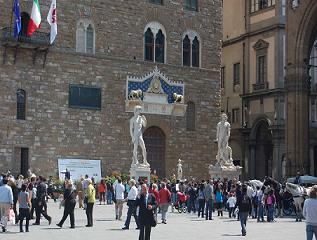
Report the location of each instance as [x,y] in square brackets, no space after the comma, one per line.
[178,227]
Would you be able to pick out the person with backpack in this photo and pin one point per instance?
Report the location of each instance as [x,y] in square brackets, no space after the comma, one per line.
[245,207]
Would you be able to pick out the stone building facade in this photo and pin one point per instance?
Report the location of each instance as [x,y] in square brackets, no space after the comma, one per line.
[269,85]
[100,44]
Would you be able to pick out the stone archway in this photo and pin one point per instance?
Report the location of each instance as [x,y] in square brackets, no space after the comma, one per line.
[154,139]
[301,32]
[261,150]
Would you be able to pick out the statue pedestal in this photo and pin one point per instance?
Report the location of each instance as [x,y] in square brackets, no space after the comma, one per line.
[140,171]
[222,172]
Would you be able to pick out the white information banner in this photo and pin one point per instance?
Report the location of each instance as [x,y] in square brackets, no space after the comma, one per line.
[79,168]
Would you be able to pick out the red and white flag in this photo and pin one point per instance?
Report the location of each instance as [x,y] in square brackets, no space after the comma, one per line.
[52,20]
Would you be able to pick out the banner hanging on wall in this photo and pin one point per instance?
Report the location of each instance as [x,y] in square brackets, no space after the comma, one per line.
[79,168]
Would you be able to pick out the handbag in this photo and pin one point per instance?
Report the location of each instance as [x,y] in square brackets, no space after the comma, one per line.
[11,216]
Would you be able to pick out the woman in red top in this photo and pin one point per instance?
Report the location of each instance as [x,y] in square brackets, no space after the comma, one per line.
[165,199]
[102,188]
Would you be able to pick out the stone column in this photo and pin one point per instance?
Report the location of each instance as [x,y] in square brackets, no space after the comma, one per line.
[297,121]
[278,150]
[252,164]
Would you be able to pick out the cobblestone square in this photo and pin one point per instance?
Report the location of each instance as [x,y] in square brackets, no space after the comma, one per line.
[179,227]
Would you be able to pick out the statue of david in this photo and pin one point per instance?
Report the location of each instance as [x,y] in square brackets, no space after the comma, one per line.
[223,135]
[136,123]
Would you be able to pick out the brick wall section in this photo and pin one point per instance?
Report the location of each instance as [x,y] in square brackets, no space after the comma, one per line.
[53,130]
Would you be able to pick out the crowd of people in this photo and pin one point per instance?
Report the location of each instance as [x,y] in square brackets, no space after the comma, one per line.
[145,201]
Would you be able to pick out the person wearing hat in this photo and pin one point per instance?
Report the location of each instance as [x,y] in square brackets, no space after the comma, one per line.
[91,192]
[69,203]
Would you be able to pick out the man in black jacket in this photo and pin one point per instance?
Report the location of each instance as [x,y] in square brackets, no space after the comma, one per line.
[147,204]
[244,205]
[41,203]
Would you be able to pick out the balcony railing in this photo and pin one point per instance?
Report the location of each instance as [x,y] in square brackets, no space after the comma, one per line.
[260,86]
[37,38]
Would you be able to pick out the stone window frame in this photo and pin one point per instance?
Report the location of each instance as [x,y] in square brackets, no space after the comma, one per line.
[81,28]
[155,28]
[261,49]
[21,104]
[235,115]
[191,35]
[191,116]
[258,5]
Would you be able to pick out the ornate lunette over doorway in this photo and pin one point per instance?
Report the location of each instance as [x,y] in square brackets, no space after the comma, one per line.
[156,93]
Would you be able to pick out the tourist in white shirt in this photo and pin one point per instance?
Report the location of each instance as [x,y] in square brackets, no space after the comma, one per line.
[6,202]
[132,195]
[310,213]
[119,194]
[232,200]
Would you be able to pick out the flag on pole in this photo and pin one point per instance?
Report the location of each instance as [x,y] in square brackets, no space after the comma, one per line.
[35,20]
[52,20]
[17,18]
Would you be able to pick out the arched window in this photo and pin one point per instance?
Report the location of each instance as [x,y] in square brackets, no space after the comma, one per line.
[85,37]
[191,49]
[190,116]
[21,104]
[89,39]
[195,53]
[159,47]
[186,51]
[154,42]
[149,45]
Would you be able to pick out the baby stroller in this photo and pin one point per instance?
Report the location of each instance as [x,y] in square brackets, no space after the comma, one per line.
[180,204]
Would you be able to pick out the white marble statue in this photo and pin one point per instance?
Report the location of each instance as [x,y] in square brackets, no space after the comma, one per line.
[224,156]
[179,170]
[136,123]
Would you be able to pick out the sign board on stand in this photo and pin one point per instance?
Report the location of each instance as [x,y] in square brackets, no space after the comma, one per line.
[79,168]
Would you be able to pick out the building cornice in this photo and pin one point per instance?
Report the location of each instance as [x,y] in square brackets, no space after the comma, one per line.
[267,93]
[252,33]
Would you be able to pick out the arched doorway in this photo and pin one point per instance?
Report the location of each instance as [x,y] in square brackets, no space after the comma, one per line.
[301,32]
[264,151]
[154,139]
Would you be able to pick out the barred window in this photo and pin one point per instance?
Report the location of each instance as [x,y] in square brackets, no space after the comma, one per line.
[159,2]
[21,104]
[191,116]
[90,39]
[191,5]
[257,5]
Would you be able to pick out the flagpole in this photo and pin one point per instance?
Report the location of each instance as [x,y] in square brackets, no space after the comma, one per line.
[11,17]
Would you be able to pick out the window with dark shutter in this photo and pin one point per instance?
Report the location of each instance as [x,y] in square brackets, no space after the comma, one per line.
[149,45]
[186,51]
[195,53]
[21,104]
[159,47]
